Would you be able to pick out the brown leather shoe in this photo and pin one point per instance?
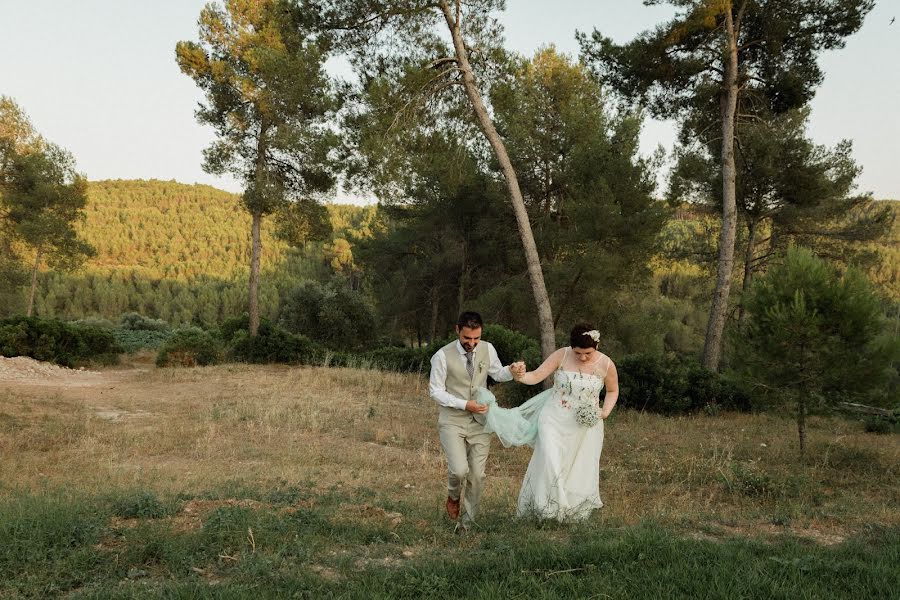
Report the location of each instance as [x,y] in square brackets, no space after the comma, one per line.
[452,508]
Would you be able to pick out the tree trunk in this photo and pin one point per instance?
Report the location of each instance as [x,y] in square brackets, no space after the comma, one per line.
[34,277]
[255,241]
[463,279]
[532,259]
[752,227]
[432,330]
[801,422]
[712,348]
[255,251]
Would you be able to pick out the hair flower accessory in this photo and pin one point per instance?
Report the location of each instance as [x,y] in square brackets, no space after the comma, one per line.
[593,334]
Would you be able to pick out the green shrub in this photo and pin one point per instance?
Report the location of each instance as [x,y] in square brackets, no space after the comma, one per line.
[407,360]
[229,327]
[332,315]
[513,346]
[189,347]
[749,481]
[272,344]
[136,322]
[133,340]
[654,384]
[882,424]
[97,344]
[98,322]
[56,341]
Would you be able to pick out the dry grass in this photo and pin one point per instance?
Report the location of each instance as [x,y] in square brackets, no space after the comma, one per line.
[191,430]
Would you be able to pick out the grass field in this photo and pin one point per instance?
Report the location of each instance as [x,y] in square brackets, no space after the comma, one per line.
[237,480]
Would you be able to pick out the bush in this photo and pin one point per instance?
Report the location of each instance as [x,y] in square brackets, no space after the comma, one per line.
[97,344]
[883,424]
[134,331]
[189,347]
[646,382]
[97,322]
[331,315]
[136,322]
[670,387]
[56,341]
[273,344]
[513,346]
[406,360]
[229,328]
[133,340]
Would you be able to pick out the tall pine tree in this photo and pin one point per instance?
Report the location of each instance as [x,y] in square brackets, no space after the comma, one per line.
[261,66]
[715,63]
[432,44]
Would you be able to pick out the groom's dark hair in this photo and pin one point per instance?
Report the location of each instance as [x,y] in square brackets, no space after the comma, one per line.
[469,319]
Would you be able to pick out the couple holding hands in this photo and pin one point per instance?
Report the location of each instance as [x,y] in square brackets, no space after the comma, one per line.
[564,424]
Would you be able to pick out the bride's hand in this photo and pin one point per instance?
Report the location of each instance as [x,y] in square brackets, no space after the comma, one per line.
[517,369]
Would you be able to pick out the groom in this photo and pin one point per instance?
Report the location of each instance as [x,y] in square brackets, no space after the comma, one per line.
[457,371]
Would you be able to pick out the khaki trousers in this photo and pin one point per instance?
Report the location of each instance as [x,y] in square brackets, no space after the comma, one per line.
[466,446]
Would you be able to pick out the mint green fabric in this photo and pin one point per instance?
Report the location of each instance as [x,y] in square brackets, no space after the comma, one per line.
[514,426]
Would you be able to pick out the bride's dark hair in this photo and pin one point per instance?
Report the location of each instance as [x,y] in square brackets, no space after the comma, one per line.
[579,337]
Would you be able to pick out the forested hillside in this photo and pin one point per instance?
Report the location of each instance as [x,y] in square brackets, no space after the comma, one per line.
[166,230]
[688,244]
[883,259]
[181,253]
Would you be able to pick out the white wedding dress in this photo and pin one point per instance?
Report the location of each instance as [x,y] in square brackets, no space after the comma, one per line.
[563,478]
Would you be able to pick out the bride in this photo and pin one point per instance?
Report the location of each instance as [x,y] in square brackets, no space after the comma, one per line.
[564,424]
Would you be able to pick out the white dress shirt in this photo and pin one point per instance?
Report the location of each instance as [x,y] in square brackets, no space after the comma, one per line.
[437,384]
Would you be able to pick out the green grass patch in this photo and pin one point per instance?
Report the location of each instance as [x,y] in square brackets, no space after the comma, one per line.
[294,542]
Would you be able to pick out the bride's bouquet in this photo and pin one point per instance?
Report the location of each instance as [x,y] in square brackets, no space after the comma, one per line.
[586,413]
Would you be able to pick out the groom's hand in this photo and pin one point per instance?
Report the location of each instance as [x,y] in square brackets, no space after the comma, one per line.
[517,369]
[476,408]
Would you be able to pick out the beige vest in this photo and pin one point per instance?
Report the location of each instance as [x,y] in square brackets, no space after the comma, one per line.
[459,384]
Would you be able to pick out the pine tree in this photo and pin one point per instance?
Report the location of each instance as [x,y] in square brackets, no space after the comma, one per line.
[716,63]
[814,335]
[42,198]
[261,66]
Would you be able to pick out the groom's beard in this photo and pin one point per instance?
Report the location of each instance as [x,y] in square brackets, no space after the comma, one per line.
[469,347]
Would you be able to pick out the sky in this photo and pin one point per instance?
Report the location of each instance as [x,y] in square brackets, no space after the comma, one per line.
[99,78]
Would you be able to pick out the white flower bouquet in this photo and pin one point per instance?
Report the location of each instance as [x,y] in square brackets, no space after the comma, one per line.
[586,413]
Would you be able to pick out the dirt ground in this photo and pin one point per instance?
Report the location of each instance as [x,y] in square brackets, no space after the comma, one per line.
[23,372]
[28,371]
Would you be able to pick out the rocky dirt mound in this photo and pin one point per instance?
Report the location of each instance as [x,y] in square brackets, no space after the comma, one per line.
[23,369]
